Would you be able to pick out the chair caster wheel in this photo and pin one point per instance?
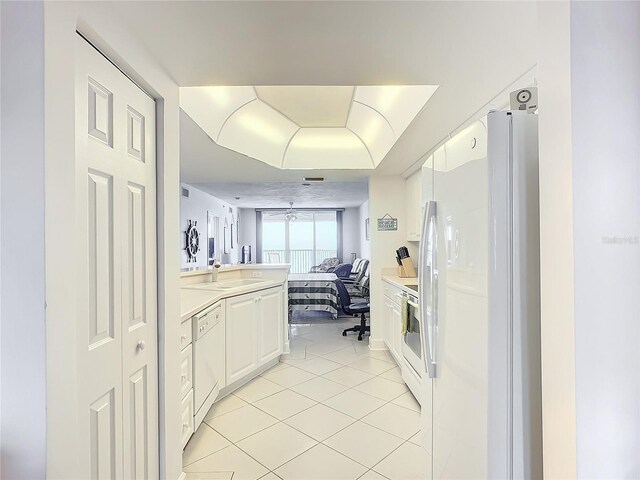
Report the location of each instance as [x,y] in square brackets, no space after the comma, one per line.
[359,338]
[344,334]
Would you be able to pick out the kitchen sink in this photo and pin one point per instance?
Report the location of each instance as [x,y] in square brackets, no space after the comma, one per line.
[227,284]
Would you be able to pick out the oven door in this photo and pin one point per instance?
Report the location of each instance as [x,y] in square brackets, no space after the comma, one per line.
[412,341]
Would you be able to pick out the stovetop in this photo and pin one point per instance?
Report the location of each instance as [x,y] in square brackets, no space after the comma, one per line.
[413,287]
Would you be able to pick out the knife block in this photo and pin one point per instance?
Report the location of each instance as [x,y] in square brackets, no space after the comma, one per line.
[407,270]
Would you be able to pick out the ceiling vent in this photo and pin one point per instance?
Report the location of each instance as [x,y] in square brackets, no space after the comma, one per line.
[185,192]
[313,179]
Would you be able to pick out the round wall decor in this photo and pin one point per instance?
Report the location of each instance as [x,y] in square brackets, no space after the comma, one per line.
[192,240]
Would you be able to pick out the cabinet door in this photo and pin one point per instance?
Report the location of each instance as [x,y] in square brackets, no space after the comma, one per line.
[388,319]
[240,335]
[396,323]
[270,325]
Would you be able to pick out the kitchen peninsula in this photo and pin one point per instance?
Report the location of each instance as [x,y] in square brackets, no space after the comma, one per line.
[232,330]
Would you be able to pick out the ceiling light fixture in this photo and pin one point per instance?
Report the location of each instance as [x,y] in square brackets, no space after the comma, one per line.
[307,127]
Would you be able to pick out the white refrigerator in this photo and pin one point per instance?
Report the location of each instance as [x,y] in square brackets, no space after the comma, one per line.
[480,302]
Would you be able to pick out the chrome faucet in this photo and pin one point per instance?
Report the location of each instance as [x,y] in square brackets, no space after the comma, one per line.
[214,271]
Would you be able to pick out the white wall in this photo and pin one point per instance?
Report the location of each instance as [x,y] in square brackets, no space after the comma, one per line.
[22,243]
[365,245]
[556,242]
[589,71]
[195,207]
[248,231]
[350,233]
[107,30]
[606,187]
[386,195]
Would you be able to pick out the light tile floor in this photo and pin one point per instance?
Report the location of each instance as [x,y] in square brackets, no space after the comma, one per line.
[331,410]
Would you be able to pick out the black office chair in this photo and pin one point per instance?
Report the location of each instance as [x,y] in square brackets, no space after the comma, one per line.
[359,287]
[359,308]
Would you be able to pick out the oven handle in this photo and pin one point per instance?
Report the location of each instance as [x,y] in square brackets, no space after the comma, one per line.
[413,304]
[428,286]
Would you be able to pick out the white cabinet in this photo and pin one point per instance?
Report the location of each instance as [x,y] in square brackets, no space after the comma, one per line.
[396,321]
[186,370]
[186,415]
[186,381]
[413,190]
[241,336]
[254,331]
[392,320]
[387,322]
[270,325]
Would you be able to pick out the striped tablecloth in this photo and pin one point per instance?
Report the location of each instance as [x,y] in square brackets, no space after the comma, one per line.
[313,291]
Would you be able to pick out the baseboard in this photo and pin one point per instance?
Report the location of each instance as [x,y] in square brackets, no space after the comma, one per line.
[247,378]
[377,344]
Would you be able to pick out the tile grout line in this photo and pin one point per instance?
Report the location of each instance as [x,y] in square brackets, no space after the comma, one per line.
[353,420]
[270,470]
[390,453]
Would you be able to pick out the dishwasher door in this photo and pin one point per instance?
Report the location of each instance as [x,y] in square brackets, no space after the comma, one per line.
[208,364]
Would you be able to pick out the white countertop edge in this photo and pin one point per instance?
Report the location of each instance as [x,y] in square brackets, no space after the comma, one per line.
[220,295]
[231,268]
[401,282]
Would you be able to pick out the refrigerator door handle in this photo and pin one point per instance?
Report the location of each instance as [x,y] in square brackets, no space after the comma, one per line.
[428,289]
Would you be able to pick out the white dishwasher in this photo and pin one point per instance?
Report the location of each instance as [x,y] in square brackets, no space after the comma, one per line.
[208,358]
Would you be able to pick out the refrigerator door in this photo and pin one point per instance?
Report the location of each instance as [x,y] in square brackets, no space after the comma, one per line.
[460,388]
[423,274]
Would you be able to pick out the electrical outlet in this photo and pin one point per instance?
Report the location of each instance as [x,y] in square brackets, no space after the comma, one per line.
[256,274]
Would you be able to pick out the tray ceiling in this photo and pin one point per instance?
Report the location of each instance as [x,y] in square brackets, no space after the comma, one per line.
[307,127]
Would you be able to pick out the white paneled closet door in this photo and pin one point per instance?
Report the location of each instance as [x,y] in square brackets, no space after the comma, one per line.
[115,254]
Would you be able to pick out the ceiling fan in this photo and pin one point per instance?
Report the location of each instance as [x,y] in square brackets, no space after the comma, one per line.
[290,214]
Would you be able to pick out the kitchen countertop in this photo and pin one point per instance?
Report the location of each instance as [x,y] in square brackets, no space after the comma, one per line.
[402,283]
[186,272]
[193,300]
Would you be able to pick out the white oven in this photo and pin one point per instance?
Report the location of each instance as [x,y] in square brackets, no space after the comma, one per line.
[411,348]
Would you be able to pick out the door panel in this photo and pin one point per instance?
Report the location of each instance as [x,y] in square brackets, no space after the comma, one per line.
[270,325]
[136,261]
[116,276]
[134,138]
[241,336]
[100,258]
[104,457]
[137,466]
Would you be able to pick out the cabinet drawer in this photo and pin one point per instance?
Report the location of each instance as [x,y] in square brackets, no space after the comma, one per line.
[186,416]
[393,293]
[185,334]
[186,370]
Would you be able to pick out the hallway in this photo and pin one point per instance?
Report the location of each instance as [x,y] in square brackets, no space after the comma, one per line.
[331,409]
